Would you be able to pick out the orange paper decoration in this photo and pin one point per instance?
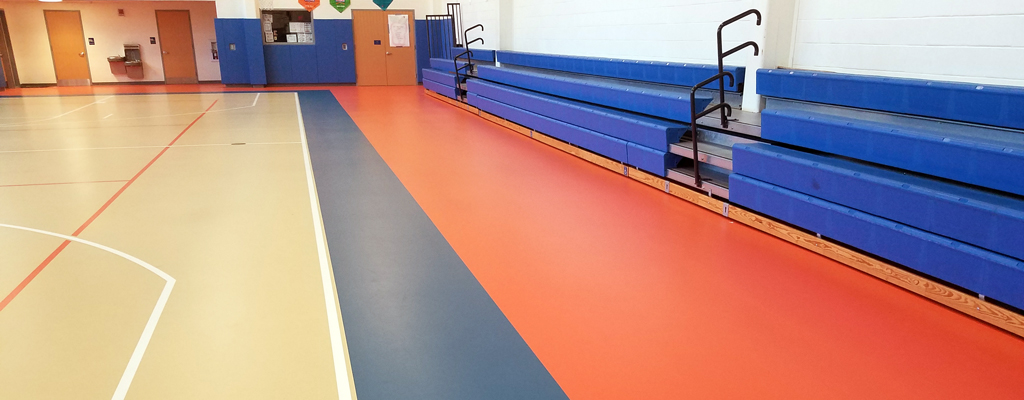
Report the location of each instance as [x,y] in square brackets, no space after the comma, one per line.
[309,5]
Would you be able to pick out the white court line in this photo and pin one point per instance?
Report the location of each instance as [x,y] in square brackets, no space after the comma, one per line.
[341,367]
[108,116]
[155,116]
[58,116]
[143,147]
[147,333]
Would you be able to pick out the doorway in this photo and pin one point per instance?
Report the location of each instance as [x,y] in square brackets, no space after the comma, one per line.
[10,70]
[67,45]
[378,63]
[176,46]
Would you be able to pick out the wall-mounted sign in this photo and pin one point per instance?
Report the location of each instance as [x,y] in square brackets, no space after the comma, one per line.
[383,4]
[309,5]
[341,5]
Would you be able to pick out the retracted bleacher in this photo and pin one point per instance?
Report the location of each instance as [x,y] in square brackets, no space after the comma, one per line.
[627,110]
[925,174]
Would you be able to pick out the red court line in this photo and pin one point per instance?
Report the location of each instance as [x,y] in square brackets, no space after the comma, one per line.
[28,279]
[61,183]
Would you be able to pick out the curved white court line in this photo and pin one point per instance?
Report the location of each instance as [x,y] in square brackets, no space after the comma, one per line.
[341,366]
[147,333]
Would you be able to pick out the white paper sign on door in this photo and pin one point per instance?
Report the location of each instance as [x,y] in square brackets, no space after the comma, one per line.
[398,29]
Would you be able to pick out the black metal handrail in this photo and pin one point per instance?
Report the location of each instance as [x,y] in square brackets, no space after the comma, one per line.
[725,108]
[722,55]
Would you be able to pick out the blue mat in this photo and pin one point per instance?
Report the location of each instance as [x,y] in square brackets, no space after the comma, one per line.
[972,216]
[647,71]
[419,324]
[974,160]
[664,103]
[645,131]
[982,104]
[975,269]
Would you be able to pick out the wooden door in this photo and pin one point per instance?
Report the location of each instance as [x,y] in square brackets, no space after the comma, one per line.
[377,63]
[370,37]
[10,74]
[401,61]
[67,43]
[176,48]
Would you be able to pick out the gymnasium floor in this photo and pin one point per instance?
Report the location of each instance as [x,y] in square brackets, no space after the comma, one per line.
[186,246]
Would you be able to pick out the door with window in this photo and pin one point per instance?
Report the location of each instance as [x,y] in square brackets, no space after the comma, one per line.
[67,45]
[176,48]
[385,47]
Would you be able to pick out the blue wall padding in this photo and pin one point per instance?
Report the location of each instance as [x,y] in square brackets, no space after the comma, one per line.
[244,65]
[335,65]
[446,90]
[605,145]
[982,161]
[422,48]
[446,65]
[980,218]
[647,71]
[478,54]
[650,160]
[654,133]
[981,271]
[671,104]
[439,77]
[322,62]
[983,104]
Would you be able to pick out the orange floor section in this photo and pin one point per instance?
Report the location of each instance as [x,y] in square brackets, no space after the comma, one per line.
[625,292]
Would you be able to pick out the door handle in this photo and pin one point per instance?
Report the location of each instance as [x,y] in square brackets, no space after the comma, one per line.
[82,54]
[165,52]
[387,53]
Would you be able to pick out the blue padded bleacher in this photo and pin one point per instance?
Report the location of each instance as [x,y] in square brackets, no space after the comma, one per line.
[984,161]
[645,131]
[605,145]
[659,102]
[982,104]
[648,71]
[478,54]
[445,78]
[638,156]
[446,90]
[446,65]
[975,269]
[972,216]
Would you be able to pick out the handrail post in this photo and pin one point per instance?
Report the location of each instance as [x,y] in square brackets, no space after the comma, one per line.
[694,116]
[722,55]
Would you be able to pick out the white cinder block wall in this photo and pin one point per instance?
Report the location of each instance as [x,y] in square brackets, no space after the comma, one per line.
[974,41]
[661,30]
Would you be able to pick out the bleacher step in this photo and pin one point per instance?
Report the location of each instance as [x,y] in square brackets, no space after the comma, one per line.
[715,183]
[741,122]
[710,153]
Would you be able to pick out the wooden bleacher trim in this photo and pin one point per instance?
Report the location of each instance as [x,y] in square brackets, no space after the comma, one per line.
[459,104]
[987,312]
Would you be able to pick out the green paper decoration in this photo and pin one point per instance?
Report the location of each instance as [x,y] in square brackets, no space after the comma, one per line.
[341,5]
[383,4]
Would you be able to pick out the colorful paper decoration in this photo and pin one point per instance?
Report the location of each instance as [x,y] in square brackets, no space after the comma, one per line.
[309,5]
[383,4]
[341,5]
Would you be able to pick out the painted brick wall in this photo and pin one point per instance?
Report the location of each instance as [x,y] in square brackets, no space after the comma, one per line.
[973,41]
[662,30]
